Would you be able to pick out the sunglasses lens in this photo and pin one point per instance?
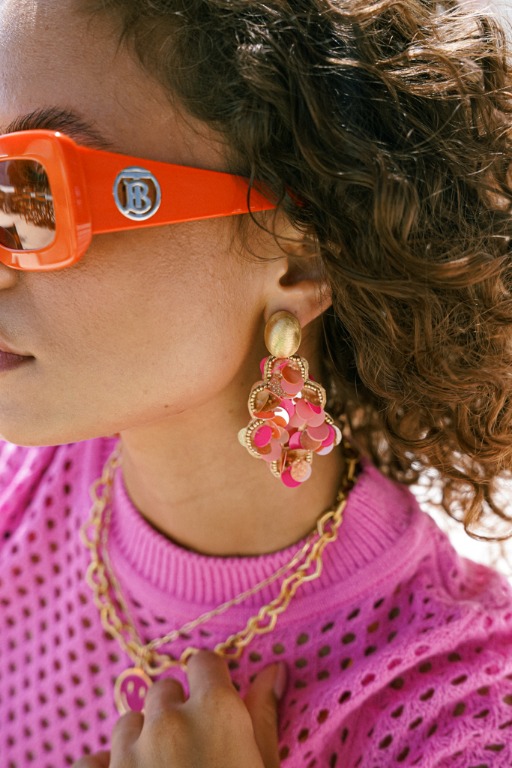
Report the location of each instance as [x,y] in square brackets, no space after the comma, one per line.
[27,215]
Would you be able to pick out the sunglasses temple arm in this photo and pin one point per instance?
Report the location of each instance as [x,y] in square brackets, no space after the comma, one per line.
[186,194]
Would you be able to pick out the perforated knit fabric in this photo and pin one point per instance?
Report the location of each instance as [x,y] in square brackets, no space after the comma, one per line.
[399,655]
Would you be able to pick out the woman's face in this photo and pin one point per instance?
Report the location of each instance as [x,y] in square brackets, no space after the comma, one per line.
[147,324]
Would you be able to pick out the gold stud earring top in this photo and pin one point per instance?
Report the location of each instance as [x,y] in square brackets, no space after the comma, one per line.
[282,334]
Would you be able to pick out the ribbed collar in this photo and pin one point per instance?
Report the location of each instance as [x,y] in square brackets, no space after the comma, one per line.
[379,515]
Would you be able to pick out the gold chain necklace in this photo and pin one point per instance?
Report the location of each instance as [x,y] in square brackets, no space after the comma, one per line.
[132,685]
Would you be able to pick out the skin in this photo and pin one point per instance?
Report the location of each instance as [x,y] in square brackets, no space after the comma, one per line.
[157,335]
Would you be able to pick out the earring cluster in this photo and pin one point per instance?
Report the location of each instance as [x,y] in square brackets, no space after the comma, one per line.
[288,421]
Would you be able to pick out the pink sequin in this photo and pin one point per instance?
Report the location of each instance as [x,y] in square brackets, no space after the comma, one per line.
[319,433]
[288,480]
[262,436]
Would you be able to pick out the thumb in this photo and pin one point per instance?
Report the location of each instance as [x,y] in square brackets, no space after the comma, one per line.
[261,701]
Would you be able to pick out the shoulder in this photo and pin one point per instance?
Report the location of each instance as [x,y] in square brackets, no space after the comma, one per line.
[22,469]
[424,668]
[412,663]
[27,473]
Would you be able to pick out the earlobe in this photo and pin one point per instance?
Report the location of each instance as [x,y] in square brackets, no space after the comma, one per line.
[303,290]
[307,300]
[300,282]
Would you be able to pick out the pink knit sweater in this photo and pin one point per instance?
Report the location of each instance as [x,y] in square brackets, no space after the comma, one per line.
[400,654]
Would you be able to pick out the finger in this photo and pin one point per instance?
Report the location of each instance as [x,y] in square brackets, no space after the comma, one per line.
[162,696]
[126,732]
[261,701]
[206,670]
[99,760]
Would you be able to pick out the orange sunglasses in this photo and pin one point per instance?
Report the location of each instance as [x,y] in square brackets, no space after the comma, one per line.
[55,195]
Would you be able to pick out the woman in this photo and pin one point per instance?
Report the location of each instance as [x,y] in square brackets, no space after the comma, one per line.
[200,610]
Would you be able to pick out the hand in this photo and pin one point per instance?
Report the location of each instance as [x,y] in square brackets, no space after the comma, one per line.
[213,728]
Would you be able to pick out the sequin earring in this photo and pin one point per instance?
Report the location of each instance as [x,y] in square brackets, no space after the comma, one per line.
[288,422]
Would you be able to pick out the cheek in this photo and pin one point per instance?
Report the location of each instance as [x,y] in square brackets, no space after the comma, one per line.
[141,296]
[129,346]
[178,329]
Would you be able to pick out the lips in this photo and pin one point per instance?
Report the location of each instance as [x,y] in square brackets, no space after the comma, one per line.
[10,362]
[8,350]
[12,355]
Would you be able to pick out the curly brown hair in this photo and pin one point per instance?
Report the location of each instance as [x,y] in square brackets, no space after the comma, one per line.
[390,121]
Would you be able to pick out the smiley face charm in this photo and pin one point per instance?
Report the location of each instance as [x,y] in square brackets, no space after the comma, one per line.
[130,690]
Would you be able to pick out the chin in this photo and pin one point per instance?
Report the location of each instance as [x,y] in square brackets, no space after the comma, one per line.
[32,434]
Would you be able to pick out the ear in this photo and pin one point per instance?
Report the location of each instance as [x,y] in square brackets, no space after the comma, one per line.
[300,284]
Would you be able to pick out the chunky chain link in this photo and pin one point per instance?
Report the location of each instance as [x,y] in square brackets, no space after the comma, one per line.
[114,611]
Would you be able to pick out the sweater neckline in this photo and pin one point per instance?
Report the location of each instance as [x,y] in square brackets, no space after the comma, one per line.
[377,513]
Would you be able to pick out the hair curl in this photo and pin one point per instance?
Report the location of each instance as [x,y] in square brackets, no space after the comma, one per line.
[390,121]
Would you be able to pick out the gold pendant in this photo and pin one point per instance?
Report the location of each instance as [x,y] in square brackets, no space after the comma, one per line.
[131,689]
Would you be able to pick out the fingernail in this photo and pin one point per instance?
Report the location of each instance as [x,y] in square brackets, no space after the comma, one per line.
[280,680]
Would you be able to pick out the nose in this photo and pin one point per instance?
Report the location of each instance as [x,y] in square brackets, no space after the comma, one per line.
[8,277]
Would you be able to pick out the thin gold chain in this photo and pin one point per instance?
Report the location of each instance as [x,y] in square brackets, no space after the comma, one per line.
[115,614]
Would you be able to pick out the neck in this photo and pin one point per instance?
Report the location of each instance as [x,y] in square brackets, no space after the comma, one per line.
[201,489]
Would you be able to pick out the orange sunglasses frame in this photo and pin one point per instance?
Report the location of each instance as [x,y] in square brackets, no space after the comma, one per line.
[82,184]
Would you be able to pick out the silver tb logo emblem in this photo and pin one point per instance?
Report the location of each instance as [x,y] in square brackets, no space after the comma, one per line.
[137,194]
